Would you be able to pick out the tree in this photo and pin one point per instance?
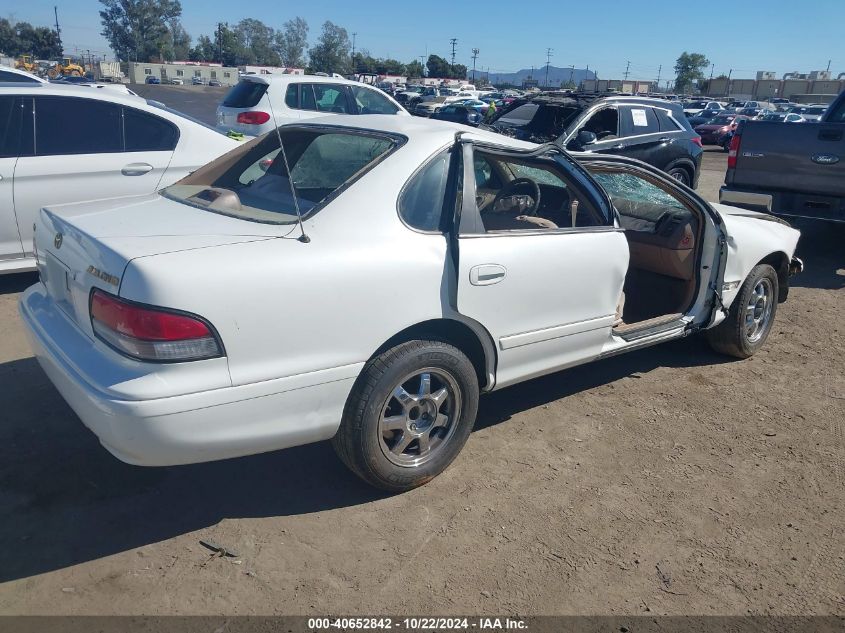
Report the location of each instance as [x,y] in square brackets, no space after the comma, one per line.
[22,38]
[458,71]
[415,69]
[204,51]
[437,67]
[331,52]
[290,43]
[136,29]
[256,41]
[390,67]
[176,43]
[689,67]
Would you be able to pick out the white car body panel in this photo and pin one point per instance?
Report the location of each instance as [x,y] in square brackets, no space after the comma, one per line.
[10,239]
[33,182]
[299,320]
[749,241]
[536,330]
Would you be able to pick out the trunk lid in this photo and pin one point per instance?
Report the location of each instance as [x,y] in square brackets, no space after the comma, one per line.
[88,245]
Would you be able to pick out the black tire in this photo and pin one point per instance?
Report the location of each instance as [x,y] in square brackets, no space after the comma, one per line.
[731,336]
[681,175]
[361,441]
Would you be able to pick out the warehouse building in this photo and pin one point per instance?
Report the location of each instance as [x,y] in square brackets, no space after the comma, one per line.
[186,71]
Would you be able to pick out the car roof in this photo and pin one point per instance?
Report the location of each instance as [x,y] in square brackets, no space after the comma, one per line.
[26,77]
[311,79]
[421,132]
[105,92]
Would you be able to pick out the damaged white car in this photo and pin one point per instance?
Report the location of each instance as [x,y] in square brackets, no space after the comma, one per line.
[369,282]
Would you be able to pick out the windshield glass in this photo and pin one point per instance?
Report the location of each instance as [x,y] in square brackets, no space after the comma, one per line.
[520,115]
[252,183]
[722,120]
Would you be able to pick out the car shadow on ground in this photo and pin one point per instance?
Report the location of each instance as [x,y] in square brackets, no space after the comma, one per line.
[822,248]
[66,501]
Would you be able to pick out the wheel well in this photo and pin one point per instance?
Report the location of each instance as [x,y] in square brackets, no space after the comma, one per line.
[780,262]
[686,166]
[449,331]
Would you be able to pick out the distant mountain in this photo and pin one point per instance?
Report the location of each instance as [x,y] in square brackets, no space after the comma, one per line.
[556,76]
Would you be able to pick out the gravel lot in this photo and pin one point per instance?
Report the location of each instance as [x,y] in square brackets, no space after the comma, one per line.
[669,480]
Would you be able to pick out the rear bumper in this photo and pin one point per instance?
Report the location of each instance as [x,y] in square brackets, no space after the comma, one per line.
[786,203]
[190,428]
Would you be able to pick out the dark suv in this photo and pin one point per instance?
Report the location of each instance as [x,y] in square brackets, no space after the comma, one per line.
[652,130]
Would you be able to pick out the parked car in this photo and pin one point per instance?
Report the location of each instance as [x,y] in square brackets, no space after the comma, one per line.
[248,108]
[72,79]
[458,113]
[651,130]
[72,143]
[809,112]
[215,83]
[198,81]
[714,131]
[790,170]
[176,81]
[426,108]
[691,107]
[152,79]
[703,116]
[783,117]
[233,313]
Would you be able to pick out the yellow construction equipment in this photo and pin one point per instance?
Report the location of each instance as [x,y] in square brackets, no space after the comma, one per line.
[67,67]
[24,62]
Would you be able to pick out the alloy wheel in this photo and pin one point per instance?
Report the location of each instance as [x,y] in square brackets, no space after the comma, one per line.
[419,417]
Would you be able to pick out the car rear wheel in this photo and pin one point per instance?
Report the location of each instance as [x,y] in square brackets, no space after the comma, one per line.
[681,175]
[409,415]
[751,316]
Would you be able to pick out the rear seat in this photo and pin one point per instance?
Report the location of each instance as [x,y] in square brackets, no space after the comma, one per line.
[661,239]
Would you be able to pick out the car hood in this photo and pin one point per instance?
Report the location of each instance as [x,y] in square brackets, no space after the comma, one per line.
[709,128]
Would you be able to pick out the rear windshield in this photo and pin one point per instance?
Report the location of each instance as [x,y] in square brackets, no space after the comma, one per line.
[722,120]
[252,182]
[245,94]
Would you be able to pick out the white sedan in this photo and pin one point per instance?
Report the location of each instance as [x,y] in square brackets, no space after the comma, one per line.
[369,283]
[62,143]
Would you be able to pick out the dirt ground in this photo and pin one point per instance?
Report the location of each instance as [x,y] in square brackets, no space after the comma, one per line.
[669,480]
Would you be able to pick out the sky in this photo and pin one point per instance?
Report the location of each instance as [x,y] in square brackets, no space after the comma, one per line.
[743,37]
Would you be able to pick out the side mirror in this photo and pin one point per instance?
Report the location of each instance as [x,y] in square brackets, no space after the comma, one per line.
[584,138]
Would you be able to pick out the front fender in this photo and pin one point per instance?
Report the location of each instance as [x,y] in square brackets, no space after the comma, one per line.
[751,238]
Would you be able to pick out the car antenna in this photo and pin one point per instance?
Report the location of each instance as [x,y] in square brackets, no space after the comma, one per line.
[302,237]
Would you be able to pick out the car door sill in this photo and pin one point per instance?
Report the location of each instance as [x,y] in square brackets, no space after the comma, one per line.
[635,331]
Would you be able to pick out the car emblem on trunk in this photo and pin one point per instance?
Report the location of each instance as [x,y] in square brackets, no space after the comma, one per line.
[825,159]
[57,241]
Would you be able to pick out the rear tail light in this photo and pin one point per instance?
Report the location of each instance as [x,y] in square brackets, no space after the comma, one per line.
[697,141]
[149,333]
[733,150]
[253,118]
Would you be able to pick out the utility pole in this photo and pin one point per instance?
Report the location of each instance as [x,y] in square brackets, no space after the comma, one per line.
[627,70]
[354,35]
[475,52]
[828,65]
[454,43]
[548,62]
[659,70]
[59,31]
[571,75]
[220,42]
[728,84]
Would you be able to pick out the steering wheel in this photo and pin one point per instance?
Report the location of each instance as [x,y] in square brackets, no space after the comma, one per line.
[521,187]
